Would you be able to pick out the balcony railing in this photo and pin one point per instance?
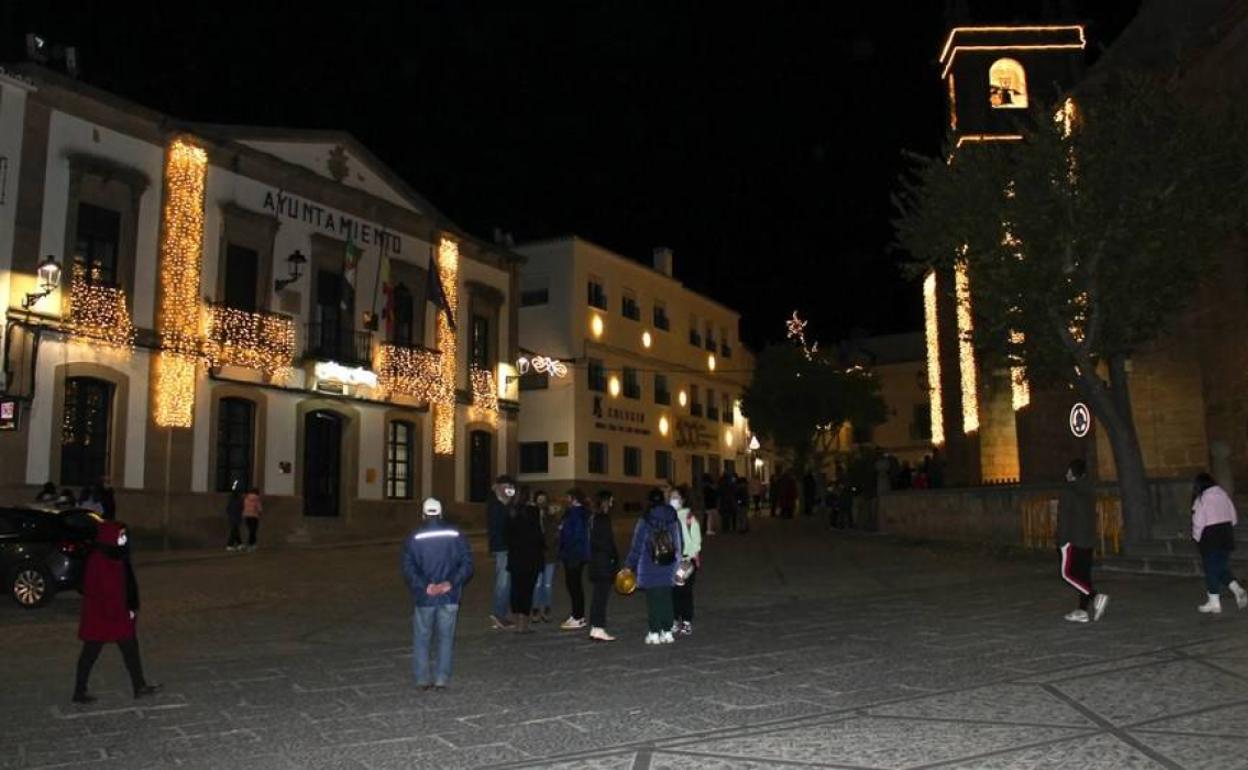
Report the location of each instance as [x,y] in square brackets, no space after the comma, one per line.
[97,311]
[695,410]
[410,370]
[252,339]
[335,343]
[712,413]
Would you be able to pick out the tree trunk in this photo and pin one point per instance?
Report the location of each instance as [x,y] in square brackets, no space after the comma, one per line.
[1112,406]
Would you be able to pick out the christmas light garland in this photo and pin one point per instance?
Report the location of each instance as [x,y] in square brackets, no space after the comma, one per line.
[966,352]
[931,332]
[97,312]
[444,411]
[410,371]
[264,341]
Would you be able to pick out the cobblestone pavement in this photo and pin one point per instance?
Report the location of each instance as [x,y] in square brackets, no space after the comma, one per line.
[811,649]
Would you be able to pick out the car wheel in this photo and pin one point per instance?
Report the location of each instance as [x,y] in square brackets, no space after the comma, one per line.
[31,587]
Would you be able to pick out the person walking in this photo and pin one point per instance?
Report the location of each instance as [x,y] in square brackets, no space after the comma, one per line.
[710,498]
[1076,536]
[574,553]
[727,502]
[234,518]
[691,539]
[253,506]
[787,495]
[653,556]
[1213,529]
[524,558]
[436,563]
[497,513]
[604,562]
[110,610]
[544,590]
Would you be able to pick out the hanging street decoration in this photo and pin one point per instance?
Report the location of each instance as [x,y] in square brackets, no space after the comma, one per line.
[797,331]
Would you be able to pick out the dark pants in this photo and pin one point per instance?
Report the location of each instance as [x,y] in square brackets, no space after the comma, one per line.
[235,539]
[91,652]
[598,604]
[576,588]
[523,581]
[253,526]
[682,599]
[659,612]
[727,518]
[1217,570]
[1077,571]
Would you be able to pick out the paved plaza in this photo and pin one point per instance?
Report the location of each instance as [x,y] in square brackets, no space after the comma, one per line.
[811,649]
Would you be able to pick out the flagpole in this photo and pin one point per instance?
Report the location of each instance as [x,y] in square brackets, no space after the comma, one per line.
[381,254]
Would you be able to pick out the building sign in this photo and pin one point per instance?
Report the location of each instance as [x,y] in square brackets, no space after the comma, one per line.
[328,371]
[613,418]
[1080,420]
[283,204]
[8,414]
[691,434]
[561,449]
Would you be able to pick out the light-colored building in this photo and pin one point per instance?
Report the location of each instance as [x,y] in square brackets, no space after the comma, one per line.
[654,374]
[240,305]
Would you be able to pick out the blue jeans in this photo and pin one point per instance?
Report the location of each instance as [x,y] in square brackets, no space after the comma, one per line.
[542,592]
[1217,570]
[427,622]
[502,586]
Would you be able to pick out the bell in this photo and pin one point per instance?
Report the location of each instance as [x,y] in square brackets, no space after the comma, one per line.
[625,582]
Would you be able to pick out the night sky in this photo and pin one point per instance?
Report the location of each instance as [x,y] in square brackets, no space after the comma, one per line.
[760,146]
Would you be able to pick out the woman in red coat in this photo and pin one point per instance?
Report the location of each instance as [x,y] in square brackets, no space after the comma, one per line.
[110,604]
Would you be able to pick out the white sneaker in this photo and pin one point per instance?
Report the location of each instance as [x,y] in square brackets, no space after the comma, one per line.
[572,624]
[600,635]
[1077,616]
[666,637]
[1212,605]
[652,638]
[1098,606]
[1241,596]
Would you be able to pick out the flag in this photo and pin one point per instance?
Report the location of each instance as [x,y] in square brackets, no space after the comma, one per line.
[387,293]
[350,260]
[437,292]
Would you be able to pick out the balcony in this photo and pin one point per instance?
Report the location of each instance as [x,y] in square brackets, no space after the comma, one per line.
[695,339]
[334,343]
[712,413]
[410,370]
[97,312]
[251,339]
[695,410]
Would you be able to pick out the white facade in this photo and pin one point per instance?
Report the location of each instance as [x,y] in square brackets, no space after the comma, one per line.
[570,413]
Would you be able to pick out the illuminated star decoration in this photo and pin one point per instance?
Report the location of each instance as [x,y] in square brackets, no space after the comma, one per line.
[797,331]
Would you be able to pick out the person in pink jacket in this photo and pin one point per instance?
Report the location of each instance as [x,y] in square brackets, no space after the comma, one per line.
[1213,529]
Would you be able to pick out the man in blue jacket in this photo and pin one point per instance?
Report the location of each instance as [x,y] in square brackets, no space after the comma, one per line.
[436,564]
[497,512]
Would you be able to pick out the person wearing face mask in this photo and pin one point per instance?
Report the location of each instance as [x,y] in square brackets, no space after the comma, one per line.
[110,607]
[574,553]
[691,537]
[604,562]
[1076,535]
[544,590]
[497,513]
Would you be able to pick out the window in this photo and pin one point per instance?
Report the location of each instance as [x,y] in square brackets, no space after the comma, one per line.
[1007,85]
[480,336]
[725,349]
[531,297]
[85,430]
[661,320]
[863,434]
[661,394]
[597,294]
[597,376]
[403,325]
[726,407]
[480,465]
[534,457]
[632,461]
[712,408]
[98,240]
[730,466]
[629,307]
[921,422]
[400,447]
[710,337]
[695,338]
[534,381]
[242,270]
[235,443]
[695,405]
[597,457]
[632,383]
[662,464]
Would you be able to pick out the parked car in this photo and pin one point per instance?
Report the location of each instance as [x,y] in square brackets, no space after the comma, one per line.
[43,551]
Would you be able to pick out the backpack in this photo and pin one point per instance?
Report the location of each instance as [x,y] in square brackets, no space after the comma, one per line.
[662,549]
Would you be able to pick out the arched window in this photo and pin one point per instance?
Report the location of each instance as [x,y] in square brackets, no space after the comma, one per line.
[236,430]
[400,451]
[86,430]
[1007,84]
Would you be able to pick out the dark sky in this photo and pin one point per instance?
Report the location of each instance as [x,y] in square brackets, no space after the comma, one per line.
[761,146]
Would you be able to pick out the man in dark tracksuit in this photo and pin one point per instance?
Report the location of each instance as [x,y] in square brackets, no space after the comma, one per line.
[497,513]
[1076,539]
[436,564]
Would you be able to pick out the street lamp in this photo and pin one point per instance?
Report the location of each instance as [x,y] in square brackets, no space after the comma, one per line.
[295,260]
[49,273]
[754,445]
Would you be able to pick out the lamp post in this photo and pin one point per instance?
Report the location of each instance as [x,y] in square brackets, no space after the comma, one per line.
[49,273]
[294,260]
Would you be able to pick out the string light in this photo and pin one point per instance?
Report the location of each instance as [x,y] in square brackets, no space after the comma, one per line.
[97,312]
[989,138]
[1020,389]
[931,329]
[409,371]
[484,390]
[444,410]
[255,340]
[953,104]
[966,352]
[797,331]
[552,367]
[181,254]
[951,51]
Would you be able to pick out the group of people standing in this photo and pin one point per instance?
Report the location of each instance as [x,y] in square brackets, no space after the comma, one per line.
[97,497]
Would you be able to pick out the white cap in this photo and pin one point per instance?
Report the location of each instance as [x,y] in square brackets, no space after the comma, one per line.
[431,507]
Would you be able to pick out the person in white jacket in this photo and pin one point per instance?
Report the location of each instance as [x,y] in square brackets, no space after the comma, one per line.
[1213,529]
[691,536]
